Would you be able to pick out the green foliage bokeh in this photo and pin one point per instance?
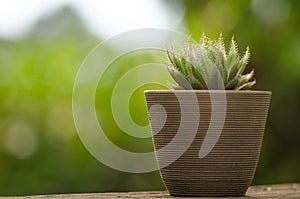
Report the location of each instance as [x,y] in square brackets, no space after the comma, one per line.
[40,151]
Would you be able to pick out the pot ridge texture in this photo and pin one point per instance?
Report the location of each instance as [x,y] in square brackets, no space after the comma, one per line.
[229,167]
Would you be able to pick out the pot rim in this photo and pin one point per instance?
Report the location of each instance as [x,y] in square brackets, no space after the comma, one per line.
[210,91]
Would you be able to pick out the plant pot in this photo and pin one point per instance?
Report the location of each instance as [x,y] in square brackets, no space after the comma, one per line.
[182,128]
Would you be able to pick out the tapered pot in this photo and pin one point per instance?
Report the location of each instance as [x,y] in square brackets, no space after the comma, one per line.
[207,143]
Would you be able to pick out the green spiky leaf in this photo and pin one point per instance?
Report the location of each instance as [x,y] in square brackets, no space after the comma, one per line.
[207,65]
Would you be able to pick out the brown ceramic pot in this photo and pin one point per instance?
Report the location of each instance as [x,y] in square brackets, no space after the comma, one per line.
[227,168]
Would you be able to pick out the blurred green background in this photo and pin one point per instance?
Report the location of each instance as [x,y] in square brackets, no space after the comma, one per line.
[40,151]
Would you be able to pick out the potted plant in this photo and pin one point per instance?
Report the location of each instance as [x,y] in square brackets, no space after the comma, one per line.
[208,131]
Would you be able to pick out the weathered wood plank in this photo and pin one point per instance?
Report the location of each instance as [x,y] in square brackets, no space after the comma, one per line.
[283,191]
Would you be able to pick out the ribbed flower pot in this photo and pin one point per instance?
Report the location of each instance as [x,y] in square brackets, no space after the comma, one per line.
[202,152]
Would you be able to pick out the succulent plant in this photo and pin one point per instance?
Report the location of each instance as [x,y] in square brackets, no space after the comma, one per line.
[201,65]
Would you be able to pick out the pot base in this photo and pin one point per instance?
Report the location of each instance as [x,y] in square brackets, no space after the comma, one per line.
[200,190]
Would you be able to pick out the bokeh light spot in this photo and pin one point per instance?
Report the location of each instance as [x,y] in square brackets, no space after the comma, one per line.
[20,140]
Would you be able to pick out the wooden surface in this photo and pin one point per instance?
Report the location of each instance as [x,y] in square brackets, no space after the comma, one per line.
[284,191]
